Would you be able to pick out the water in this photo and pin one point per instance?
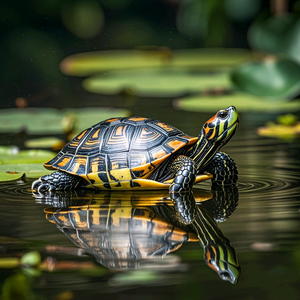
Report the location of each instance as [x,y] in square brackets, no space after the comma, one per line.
[263,229]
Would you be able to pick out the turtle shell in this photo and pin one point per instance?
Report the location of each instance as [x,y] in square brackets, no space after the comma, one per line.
[118,234]
[121,153]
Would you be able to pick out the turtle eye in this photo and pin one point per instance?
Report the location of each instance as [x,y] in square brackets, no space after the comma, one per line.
[222,114]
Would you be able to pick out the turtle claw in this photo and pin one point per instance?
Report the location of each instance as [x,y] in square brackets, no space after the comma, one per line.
[35,185]
[41,188]
[44,187]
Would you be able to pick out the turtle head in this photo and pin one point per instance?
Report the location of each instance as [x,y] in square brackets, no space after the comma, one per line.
[221,127]
[222,259]
[216,132]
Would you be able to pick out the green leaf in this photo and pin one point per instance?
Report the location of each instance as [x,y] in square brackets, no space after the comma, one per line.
[30,170]
[26,156]
[52,121]
[8,150]
[87,117]
[292,43]
[243,103]
[279,79]
[10,176]
[269,33]
[156,83]
[46,142]
[89,63]
[9,262]
[277,34]
[32,120]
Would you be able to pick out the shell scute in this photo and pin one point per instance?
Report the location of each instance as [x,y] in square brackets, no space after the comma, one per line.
[167,129]
[146,137]
[91,144]
[117,161]
[117,138]
[96,163]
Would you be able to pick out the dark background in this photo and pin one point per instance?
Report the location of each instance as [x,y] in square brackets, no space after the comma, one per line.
[37,35]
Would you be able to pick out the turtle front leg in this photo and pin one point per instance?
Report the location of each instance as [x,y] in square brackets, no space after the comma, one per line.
[56,181]
[223,168]
[185,174]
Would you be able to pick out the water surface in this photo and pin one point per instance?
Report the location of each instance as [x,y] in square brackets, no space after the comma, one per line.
[263,229]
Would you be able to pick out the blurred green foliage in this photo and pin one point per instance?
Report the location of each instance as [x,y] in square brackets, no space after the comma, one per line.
[39,35]
[35,36]
[279,79]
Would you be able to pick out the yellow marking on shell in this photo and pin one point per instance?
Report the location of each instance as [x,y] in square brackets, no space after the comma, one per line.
[192,237]
[146,184]
[47,217]
[74,143]
[111,120]
[192,140]
[121,212]
[95,216]
[177,234]
[81,135]
[62,218]
[64,161]
[90,143]
[135,119]
[78,222]
[96,134]
[120,175]
[176,144]
[165,126]
[94,177]
[79,162]
[159,154]
[146,131]
[120,129]
[95,162]
[121,185]
[147,169]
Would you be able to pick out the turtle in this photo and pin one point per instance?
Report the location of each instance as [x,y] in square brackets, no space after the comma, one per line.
[125,230]
[142,153]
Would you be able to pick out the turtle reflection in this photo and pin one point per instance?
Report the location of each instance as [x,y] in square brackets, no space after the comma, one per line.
[122,230]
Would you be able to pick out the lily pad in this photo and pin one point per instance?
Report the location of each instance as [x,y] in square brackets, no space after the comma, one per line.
[30,170]
[18,162]
[243,102]
[26,156]
[279,79]
[87,117]
[52,121]
[31,120]
[156,82]
[285,132]
[89,63]
[4,176]
[46,142]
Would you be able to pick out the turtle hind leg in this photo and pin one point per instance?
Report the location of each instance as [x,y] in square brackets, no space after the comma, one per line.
[57,181]
[223,168]
[185,174]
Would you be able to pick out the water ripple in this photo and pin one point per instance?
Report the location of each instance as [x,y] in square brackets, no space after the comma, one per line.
[15,190]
